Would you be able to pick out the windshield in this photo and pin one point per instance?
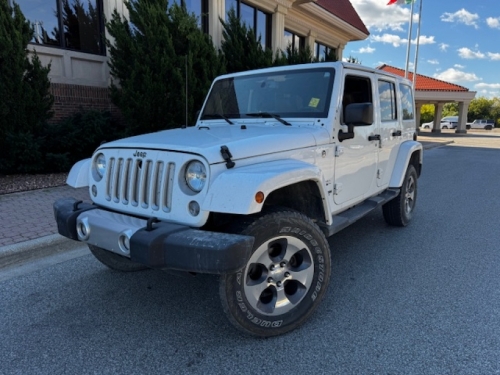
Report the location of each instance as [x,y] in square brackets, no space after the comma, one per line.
[293,93]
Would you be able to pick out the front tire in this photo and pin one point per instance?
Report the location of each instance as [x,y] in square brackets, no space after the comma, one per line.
[114,261]
[399,211]
[285,278]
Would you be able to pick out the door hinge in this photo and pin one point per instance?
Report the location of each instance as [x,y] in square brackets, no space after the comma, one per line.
[339,150]
[337,188]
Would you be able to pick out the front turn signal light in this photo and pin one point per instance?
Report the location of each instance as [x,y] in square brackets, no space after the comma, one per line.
[259,197]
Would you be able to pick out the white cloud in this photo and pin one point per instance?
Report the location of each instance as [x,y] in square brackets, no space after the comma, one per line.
[378,16]
[491,90]
[494,56]
[395,40]
[454,75]
[424,40]
[433,62]
[461,16]
[366,50]
[443,46]
[466,53]
[487,86]
[458,66]
[494,23]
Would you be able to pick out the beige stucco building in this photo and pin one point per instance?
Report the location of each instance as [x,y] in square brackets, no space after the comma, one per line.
[69,34]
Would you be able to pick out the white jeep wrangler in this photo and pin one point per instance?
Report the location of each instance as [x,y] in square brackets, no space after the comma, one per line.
[279,160]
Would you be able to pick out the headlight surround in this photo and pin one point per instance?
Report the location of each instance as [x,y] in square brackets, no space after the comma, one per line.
[196,175]
[99,166]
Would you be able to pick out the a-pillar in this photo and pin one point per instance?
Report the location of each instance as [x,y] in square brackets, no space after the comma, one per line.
[463,108]
[438,111]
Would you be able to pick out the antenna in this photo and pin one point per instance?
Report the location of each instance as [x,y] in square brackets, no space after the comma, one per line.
[186,90]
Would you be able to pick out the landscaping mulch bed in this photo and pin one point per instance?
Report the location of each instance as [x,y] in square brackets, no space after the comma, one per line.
[25,182]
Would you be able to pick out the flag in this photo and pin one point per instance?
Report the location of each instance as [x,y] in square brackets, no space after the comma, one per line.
[400,2]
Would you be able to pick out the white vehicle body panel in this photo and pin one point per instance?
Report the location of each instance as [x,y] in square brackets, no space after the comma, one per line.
[267,155]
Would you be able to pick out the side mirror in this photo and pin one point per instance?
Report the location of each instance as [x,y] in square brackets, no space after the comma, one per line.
[356,114]
[359,114]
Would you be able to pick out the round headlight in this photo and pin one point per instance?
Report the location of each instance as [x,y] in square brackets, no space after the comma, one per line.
[100,165]
[196,175]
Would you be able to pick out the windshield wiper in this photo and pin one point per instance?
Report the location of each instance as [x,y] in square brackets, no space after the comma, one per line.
[267,114]
[216,115]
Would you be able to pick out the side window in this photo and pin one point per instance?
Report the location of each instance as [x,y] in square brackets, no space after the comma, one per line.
[387,97]
[407,101]
[356,90]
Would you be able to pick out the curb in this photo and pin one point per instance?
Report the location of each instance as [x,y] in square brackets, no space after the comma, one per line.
[430,145]
[33,249]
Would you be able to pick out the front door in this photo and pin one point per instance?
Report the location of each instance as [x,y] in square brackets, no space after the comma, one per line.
[356,158]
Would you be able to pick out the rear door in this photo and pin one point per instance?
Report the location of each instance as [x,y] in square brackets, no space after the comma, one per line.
[389,128]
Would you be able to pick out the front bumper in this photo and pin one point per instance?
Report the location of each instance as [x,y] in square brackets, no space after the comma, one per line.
[160,245]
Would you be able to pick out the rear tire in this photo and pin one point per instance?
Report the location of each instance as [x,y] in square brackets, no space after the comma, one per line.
[399,211]
[285,278]
[114,261]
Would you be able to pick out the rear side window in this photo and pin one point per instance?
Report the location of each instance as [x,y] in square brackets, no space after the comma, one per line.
[387,97]
[407,101]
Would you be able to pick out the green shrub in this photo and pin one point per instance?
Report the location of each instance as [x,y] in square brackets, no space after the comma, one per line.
[26,103]
[77,137]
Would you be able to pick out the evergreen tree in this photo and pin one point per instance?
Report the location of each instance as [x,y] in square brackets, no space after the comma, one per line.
[241,48]
[148,63]
[293,56]
[24,88]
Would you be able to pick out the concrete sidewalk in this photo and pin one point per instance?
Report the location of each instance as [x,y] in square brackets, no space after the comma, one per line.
[27,223]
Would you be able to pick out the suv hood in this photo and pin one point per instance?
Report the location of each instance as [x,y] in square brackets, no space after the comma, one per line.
[242,142]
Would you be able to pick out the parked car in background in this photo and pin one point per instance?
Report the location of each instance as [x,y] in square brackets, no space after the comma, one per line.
[481,124]
[448,122]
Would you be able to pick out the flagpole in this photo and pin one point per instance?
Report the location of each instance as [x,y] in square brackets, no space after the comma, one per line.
[409,40]
[418,43]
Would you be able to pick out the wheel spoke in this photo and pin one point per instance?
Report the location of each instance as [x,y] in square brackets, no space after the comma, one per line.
[304,275]
[254,291]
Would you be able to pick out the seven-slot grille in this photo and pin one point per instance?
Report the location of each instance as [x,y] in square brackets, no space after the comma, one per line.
[143,183]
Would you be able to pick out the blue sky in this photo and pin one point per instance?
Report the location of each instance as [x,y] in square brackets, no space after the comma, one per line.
[459,40]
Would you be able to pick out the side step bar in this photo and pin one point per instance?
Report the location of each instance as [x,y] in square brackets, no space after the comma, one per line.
[346,218]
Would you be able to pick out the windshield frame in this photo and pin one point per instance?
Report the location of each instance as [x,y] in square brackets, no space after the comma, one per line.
[313,90]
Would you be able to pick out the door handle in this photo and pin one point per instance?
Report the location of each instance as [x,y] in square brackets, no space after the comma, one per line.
[375,137]
[397,133]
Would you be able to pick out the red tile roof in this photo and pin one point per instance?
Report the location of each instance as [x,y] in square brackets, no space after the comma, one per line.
[344,10]
[424,83]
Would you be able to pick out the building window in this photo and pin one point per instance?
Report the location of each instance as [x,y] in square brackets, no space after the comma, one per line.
[256,19]
[407,101]
[70,24]
[297,42]
[200,10]
[324,53]
[387,98]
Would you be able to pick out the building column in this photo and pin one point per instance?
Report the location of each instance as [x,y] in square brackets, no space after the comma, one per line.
[418,108]
[310,40]
[278,29]
[463,108]
[216,9]
[438,111]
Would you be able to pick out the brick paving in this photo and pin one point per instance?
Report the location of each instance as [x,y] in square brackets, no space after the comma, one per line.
[29,215]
